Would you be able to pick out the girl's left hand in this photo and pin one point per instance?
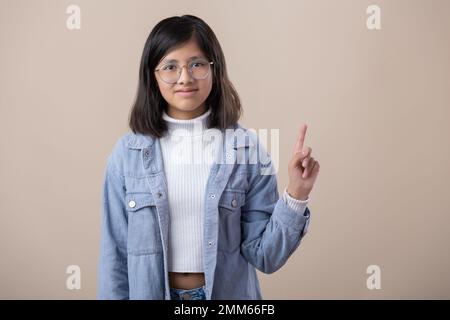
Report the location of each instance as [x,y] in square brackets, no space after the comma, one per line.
[303,169]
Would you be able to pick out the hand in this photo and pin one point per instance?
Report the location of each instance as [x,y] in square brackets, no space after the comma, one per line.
[302,169]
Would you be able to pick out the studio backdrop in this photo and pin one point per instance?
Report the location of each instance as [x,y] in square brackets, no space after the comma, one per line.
[370,78]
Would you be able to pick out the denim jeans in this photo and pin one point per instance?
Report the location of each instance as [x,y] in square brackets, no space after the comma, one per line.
[188,294]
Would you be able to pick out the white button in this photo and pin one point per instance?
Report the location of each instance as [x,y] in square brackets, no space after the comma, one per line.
[213,196]
[210,243]
[234,202]
[132,204]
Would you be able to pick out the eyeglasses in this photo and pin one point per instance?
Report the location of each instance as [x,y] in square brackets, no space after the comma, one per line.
[198,69]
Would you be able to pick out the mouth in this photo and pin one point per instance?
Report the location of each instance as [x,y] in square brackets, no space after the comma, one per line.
[186,93]
[186,90]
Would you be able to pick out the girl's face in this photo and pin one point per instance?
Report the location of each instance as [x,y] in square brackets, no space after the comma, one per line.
[184,105]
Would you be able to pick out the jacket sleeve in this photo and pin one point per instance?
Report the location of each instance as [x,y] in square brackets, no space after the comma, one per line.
[112,270]
[270,229]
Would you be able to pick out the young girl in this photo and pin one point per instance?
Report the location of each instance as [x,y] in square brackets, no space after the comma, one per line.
[186,214]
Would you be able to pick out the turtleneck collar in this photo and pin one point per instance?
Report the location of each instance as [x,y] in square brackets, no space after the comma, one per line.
[191,127]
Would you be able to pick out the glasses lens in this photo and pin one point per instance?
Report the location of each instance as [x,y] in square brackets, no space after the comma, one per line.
[199,68]
[169,73]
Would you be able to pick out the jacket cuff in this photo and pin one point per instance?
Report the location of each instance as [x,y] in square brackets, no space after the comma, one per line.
[289,217]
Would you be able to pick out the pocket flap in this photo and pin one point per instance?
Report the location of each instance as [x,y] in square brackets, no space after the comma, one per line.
[136,201]
[232,199]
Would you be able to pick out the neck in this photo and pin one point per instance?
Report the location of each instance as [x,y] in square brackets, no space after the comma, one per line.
[185,115]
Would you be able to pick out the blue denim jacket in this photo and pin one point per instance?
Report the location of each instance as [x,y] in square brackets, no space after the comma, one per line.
[247,226]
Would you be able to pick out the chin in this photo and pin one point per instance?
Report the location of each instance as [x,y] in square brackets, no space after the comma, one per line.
[187,107]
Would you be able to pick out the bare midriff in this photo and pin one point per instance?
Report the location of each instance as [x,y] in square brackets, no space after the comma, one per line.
[186,280]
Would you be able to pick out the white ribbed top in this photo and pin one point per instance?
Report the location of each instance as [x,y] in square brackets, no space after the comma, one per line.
[186,172]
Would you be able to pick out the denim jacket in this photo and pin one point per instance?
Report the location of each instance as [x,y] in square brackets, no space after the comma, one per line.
[247,226]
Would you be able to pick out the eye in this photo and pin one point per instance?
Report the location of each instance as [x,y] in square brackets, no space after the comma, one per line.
[198,64]
[169,67]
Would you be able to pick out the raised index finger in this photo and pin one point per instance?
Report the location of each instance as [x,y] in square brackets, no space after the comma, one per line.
[300,139]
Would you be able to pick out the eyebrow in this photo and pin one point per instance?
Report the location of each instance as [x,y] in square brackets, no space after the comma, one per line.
[174,60]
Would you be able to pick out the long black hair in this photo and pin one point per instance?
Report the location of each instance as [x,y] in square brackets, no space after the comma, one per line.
[223,100]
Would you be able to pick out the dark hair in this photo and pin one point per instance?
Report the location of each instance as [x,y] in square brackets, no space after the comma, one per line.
[223,100]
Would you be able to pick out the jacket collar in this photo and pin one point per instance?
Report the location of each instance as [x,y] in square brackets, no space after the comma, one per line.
[139,140]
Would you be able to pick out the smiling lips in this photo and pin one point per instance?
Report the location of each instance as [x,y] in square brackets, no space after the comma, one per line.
[186,92]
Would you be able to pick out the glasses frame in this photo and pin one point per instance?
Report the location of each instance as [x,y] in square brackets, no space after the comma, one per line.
[188,69]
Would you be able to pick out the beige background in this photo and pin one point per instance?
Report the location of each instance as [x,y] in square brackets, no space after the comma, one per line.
[376,102]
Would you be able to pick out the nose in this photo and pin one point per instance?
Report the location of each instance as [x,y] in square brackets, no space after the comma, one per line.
[185,76]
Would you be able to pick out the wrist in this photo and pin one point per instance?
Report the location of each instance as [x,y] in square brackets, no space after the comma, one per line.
[297,196]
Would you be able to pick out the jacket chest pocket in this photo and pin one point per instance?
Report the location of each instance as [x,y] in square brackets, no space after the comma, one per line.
[230,219]
[144,236]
